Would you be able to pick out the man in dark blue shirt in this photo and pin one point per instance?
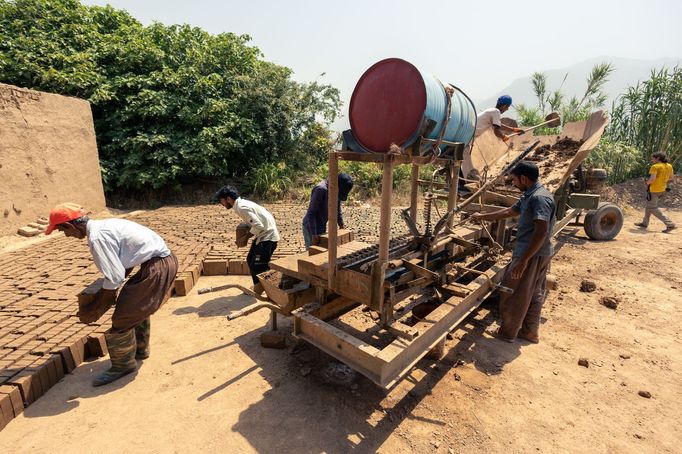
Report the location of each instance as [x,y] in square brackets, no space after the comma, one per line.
[526,275]
[315,220]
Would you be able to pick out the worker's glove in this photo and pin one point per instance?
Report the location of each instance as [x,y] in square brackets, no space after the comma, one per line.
[505,138]
[518,131]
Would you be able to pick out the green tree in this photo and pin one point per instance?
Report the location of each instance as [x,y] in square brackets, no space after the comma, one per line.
[171,104]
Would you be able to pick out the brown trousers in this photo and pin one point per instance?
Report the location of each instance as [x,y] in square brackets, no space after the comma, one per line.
[652,208]
[144,292]
[521,309]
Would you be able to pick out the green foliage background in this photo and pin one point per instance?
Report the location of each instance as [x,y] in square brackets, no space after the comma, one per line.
[171,104]
[646,119]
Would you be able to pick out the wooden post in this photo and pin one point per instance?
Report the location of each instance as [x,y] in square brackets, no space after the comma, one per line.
[332,211]
[414,192]
[385,219]
[384,239]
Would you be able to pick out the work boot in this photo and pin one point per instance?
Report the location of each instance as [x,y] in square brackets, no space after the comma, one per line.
[670,228]
[142,332]
[499,334]
[641,225]
[529,336]
[122,354]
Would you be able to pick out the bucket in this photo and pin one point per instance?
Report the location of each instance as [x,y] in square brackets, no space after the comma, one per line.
[395,103]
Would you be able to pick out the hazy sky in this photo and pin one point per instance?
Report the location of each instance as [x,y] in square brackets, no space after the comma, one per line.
[481,46]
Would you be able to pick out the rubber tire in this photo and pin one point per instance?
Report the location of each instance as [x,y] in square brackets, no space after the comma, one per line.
[604,223]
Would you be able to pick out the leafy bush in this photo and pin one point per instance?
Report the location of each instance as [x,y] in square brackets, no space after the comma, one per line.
[621,161]
[171,104]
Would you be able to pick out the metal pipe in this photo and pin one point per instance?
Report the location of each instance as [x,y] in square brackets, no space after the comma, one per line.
[253,308]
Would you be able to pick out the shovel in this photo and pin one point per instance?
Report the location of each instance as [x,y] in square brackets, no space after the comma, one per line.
[552,120]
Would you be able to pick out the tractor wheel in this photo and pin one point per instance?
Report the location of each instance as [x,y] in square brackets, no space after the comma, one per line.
[604,223]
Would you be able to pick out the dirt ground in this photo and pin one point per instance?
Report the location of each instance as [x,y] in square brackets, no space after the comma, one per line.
[210,387]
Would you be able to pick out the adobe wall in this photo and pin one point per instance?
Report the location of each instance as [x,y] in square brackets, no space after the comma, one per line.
[48,155]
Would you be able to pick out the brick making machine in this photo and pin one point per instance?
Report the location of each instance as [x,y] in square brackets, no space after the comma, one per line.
[419,286]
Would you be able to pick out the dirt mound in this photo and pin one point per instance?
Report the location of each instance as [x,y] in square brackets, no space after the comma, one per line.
[633,192]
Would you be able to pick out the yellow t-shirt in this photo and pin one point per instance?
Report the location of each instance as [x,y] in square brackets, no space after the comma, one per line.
[663,172]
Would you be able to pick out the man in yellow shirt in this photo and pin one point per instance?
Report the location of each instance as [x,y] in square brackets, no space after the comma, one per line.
[659,175]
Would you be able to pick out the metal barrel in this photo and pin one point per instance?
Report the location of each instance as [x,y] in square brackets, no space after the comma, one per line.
[394,103]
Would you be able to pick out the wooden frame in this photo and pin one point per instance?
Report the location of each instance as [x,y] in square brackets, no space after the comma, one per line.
[387,366]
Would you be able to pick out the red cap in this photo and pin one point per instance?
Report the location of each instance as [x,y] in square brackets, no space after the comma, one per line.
[62,213]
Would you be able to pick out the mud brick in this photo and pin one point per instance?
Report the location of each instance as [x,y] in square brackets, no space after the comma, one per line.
[196,272]
[90,293]
[28,231]
[29,386]
[273,339]
[44,375]
[97,346]
[59,366]
[52,372]
[15,398]
[234,267]
[215,267]
[183,283]
[314,250]
[6,414]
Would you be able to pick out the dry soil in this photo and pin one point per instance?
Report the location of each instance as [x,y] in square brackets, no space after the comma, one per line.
[209,386]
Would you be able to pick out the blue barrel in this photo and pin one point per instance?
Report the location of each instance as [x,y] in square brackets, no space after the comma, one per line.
[395,103]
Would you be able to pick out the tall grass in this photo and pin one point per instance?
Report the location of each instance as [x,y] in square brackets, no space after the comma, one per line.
[649,116]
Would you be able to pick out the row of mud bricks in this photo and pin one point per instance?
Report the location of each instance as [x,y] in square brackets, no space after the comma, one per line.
[41,338]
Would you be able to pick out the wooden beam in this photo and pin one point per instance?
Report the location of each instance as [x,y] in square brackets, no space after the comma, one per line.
[332,211]
[379,269]
[339,344]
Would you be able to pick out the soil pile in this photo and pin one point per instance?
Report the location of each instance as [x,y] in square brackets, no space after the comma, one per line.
[633,192]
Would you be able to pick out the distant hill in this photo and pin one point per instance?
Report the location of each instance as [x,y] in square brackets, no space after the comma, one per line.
[627,72]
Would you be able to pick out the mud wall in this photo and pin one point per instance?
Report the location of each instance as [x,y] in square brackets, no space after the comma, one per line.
[48,155]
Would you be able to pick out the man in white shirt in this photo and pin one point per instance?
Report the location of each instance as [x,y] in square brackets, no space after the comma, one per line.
[490,118]
[117,246]
[263,228]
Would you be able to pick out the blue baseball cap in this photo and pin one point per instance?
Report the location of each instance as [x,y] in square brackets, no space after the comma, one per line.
[504,99]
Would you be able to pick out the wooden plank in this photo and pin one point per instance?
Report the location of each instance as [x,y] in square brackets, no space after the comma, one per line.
[401,355]
[317,265]
[289,265]
[568,218]
[342,346]
[332,210]
[354,285]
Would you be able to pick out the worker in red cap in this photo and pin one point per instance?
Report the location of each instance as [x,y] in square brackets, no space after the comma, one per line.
[117,246]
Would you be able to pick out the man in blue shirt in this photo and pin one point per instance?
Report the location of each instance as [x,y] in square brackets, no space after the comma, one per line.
[315,220]
[526,275]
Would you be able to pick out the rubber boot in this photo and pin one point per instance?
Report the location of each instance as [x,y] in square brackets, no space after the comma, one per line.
[142,332]
[122,354]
